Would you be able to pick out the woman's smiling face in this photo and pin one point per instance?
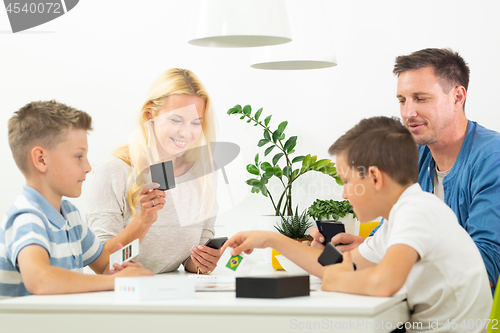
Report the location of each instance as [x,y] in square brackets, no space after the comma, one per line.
[179,124]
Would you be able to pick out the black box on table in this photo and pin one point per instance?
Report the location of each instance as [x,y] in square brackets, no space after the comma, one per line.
[272,286]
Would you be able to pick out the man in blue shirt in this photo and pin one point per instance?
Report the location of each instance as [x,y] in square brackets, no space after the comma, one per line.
[459,159]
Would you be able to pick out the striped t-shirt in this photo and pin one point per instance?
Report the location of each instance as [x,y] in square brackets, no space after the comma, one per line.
[33,220]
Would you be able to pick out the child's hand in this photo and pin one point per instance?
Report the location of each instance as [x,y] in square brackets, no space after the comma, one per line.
[331,273]
[318,239]
[133,271]
[346,242]
[151,202]
[118,267]
[246,241]
[205,258]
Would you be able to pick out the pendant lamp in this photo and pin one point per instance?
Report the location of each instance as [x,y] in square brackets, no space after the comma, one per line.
[312,45]
[240,23]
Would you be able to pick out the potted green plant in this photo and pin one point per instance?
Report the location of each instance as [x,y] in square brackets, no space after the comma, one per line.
[330,209]
[341,211]
[295,227]
[282,165]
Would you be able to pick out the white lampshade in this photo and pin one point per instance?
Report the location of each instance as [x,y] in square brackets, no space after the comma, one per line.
[312,45]
[240,23]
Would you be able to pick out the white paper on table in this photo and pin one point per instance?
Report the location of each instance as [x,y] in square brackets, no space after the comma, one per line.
[213,282]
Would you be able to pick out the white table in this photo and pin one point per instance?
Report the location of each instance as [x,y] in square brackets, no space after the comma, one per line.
[207,312]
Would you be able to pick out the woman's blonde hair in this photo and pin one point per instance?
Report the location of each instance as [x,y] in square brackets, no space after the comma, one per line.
[173,81]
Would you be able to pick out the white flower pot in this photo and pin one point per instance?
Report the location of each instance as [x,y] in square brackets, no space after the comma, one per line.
[351,224]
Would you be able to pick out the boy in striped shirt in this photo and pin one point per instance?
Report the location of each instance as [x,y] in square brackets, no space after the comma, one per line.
[44,244]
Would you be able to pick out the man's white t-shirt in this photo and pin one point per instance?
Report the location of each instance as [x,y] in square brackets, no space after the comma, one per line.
[438,182]
[449,281]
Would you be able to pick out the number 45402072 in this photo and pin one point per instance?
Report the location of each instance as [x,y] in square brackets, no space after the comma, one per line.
[39,7]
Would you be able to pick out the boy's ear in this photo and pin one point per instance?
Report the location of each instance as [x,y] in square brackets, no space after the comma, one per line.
[38,158]
[376,177]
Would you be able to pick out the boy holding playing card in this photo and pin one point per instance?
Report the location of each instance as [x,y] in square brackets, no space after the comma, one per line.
[421,246]
[44,244]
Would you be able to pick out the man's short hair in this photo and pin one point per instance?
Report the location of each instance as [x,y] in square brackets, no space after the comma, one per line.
[449,66]
[43,123]
[382,142]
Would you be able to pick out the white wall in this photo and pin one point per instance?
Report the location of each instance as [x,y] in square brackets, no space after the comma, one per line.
[102,57]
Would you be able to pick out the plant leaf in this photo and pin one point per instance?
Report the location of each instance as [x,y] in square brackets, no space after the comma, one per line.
[262,142]
[295,173]
[257,159]
[287,228]
[264,190]
[255,189]
[287,170]
[282,126]
[266,166]
[290,142]
[278,172]
[306,163]
[276,135]
[269,173]
[277,157]
[330,170]
[247,110]
[253,169]
[281,231]
[295,226]
[298,158]
[254,182]
[235,109]
[321,163]
[269,149]
[267,120]
[257,114]
[267,136]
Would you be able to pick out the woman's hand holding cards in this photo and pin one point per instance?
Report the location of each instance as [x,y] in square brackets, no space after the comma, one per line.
[151,202]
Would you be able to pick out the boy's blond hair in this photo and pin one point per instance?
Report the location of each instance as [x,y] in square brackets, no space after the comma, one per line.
[42,123]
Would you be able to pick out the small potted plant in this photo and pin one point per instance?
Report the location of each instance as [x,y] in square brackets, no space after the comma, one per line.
[295,227]
[327,210]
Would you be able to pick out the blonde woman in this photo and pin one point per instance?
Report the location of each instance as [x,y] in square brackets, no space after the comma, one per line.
[175,124]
